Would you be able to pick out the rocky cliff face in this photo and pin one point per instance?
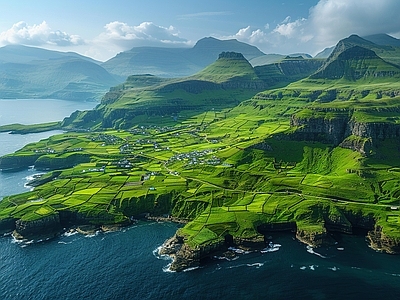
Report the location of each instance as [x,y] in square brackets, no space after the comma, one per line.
[381,242]
[7,225]
[13,162]
[336,130]
[320,129]
[45,227]
[183,256]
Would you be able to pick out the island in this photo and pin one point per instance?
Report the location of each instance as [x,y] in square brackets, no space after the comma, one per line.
[233,152]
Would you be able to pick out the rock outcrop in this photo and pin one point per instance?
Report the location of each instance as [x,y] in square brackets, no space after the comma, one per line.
[183,256]
[382,242]
[343,131]
[45,227]
[15,162]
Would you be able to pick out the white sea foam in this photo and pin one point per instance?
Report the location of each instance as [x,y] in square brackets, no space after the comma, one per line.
[93,235]
[226,258]
[257,265]
[312,267]
[271,248]
[167,269]
[311,250]
[191,269]
[70,233]
[238,251]
[64,243]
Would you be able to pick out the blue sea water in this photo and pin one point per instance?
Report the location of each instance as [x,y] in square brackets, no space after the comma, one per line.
[124,264]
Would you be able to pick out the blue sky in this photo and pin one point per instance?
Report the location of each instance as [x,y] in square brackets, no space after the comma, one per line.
[101,29]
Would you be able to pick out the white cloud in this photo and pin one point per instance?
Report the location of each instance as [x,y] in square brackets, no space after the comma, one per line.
[327,23]
[147,33]
[290,29]
[332,20]
[250,35]
[38,35]
[120,36]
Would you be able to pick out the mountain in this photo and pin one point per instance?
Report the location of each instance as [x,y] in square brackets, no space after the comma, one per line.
[175,62]
[24,54]
[207,50]
[376,39]
[385,47]
[324,53]
[383,40]
[28,72]
[287,70]
[356,63]
[225,83]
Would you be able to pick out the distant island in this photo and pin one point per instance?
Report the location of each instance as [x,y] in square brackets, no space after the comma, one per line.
[234,152]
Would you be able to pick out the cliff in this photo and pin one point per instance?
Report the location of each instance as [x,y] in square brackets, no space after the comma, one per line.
[14,162]
[382,242]
[46,227]
[342,130]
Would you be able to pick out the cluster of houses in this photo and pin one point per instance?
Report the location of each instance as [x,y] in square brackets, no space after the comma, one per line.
[197,158]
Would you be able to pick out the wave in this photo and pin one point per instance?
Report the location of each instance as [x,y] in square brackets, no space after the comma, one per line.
[271,248]
[311,250]
[256,265]
[64,243]
[311,267]
[225,258]
[93,234]
[156,253]
[191,269]
[238,250]
[70,233]
[167,269]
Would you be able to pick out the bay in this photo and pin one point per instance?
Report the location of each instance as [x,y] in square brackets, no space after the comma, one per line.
[123,264]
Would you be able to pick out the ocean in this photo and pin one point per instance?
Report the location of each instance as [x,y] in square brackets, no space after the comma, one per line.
[125,264]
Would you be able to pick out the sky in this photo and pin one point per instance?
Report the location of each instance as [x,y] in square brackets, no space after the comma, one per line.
[102,28]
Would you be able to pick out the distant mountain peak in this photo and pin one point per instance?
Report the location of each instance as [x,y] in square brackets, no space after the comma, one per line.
[383,39]
[355,63]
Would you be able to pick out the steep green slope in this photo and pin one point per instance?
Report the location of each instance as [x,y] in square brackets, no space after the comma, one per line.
[225,83]
[287,70]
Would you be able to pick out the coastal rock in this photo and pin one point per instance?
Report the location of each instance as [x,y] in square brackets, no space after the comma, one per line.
[380,241]
[15,162]
[313,238]
[45,227]
[7,225]
[183,256]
